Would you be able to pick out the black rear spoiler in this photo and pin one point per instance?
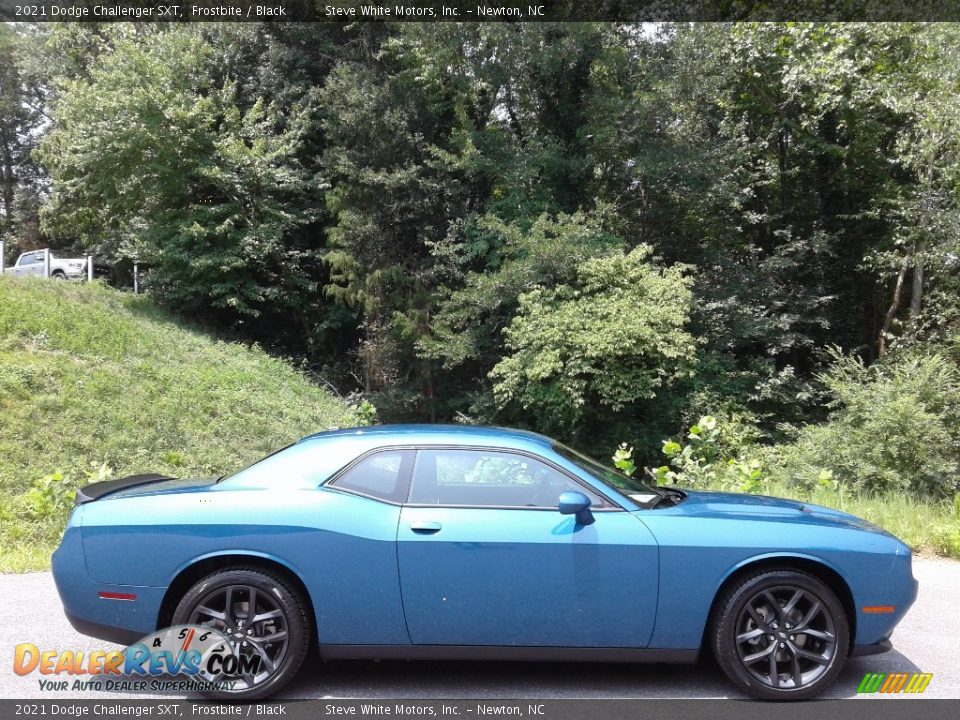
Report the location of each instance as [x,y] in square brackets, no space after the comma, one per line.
[98,490]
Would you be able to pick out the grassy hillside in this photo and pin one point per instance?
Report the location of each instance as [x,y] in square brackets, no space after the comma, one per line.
[96,382]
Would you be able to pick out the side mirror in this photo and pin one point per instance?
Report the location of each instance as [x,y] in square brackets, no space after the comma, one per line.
[577,504]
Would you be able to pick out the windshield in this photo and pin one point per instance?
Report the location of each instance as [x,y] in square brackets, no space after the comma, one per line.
[639,492]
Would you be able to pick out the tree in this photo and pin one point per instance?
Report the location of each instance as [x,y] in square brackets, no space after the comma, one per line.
[792,198]
[405,206]
[20,122]
[392,197]
[160,154]
[548,252]
[926,242]
[581,353]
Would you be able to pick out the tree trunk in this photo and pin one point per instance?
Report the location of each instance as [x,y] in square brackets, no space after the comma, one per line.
[9,180]
[782,148]
[916,296]
[894,306]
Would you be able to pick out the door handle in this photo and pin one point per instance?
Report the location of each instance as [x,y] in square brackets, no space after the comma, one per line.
[425,527]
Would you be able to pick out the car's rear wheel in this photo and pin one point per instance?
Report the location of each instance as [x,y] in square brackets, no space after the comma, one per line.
[780,635]
[262,617]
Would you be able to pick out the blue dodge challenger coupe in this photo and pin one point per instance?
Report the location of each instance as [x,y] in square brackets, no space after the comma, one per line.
[458,542]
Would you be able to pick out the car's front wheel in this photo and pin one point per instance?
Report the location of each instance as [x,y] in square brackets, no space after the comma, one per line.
[780,634]
[262,617]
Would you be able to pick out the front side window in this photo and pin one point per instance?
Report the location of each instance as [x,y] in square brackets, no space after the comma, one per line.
[489,478]
[29,260]
[381,476]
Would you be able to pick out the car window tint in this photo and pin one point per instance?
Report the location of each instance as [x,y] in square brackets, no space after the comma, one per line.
[482,478]
[379,475]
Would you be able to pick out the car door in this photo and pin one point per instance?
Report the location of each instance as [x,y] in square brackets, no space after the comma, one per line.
[485,557]
[37,266]
[26,265]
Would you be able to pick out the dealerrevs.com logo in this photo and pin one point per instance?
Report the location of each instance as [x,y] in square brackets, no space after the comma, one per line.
[185,658]
[889,683]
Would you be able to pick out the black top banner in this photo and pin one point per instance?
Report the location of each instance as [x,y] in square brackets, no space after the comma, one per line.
[344,11]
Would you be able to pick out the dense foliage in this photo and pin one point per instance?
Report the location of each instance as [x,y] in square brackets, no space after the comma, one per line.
[892,428]
[601,231]
[580,354]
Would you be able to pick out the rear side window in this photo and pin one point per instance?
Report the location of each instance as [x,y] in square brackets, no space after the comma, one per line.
[384,476]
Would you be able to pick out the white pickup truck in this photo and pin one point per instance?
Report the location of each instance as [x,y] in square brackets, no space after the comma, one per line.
[31,263]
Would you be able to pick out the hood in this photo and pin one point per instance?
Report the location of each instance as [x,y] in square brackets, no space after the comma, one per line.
[764,507]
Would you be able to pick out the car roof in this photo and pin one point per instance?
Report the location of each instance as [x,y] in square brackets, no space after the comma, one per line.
[338,446]
[440,435]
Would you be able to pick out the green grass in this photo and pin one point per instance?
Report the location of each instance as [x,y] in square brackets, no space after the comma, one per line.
[89,375]
[926,526]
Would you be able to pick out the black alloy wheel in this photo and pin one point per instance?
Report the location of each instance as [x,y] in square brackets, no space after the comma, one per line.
[781,634]
[264,621]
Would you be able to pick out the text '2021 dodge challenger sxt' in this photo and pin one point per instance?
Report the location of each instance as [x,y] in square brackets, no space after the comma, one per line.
[458,542]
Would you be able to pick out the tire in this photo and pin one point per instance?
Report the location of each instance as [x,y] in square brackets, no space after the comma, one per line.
[282,640]
[58,276]
[780,635]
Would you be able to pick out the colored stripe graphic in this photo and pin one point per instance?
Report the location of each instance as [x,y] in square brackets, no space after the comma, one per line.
[918,683]
[895,682]
[901,682]
[870,683]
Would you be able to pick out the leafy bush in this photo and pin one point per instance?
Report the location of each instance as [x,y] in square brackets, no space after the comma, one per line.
[711,458]
[365,413]
[893,427]
[623,460]
[51,496]
[614,337]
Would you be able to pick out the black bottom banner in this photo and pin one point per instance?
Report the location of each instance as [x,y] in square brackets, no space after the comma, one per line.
[859,709]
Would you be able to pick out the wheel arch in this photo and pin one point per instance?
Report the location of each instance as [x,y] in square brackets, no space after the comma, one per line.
[188,575]
[817,567]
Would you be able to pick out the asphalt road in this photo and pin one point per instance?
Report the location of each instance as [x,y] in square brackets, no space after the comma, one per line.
[926,641]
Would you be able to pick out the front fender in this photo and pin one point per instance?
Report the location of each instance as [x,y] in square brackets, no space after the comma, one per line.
[700,552]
